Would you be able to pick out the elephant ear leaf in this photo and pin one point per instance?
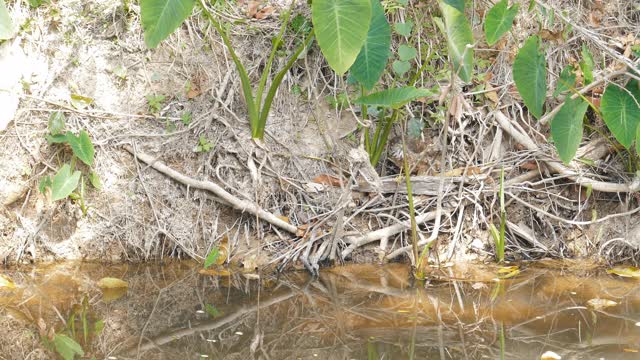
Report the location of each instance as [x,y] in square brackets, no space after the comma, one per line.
[82,146]
[64,182]
[459,38]
[638,140]
[530,75]
[341,28]
[160,18]
[621,112]
[373,57]
[566,128]
[499,20]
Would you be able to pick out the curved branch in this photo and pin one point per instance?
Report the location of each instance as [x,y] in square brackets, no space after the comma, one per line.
[231,200]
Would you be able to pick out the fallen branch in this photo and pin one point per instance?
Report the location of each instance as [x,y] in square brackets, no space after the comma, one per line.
[242,205]
[559,168]
[388,232]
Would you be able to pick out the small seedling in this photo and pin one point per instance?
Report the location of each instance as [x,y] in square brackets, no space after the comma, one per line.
[203,145]
[186,118]
[155,102]
[66,180]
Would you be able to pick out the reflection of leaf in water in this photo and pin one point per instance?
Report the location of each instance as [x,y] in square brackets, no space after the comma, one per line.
[598,304]
[625,271]
[216,271]
[112,283]
[113,294]
[6,282]
[211,310]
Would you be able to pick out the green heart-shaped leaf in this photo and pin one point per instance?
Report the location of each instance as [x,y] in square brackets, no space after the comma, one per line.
[160,18]
[586,65]
[373,56]
[499,20]
[67,347]
[406,52]
[459,35]
[82,146]
[341,28]
[530,75]
[401,67]
[566,81]
[64,182]
[56,123]
[404,29]
[566,128]
[621,113]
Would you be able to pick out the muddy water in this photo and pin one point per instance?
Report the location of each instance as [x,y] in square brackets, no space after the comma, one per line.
[353,312]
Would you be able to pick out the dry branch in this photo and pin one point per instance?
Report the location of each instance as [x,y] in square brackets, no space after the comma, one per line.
[387,232]
[221,193]
[559,168]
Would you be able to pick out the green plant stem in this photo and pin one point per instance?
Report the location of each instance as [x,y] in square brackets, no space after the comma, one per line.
[365,115]
[277,80]
[380,141]
[412,213]
[272,55]
[252,109]
[381,136]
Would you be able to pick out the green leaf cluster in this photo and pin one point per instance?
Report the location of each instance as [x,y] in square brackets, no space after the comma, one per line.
[66,179]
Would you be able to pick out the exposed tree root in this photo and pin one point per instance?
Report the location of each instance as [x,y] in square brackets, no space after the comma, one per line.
[221,193]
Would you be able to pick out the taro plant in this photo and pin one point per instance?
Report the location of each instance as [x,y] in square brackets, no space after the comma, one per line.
[499,235]
[340,27]
[64,184]
[619,106]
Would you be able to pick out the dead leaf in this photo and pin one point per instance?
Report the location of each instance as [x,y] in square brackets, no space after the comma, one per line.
[264,12]
[283,218]
[625,271]
[529,165]
[330,180]
[552,35]
[598,304]
[507,272]
[252,8]
[194,92]
[6,282]
[112,283]
[492,96]
[302,230]
[42,327]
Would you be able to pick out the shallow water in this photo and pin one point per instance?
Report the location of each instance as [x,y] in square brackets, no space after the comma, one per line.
[352,312]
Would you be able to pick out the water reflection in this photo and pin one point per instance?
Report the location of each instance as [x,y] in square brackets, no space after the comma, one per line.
[352,312]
